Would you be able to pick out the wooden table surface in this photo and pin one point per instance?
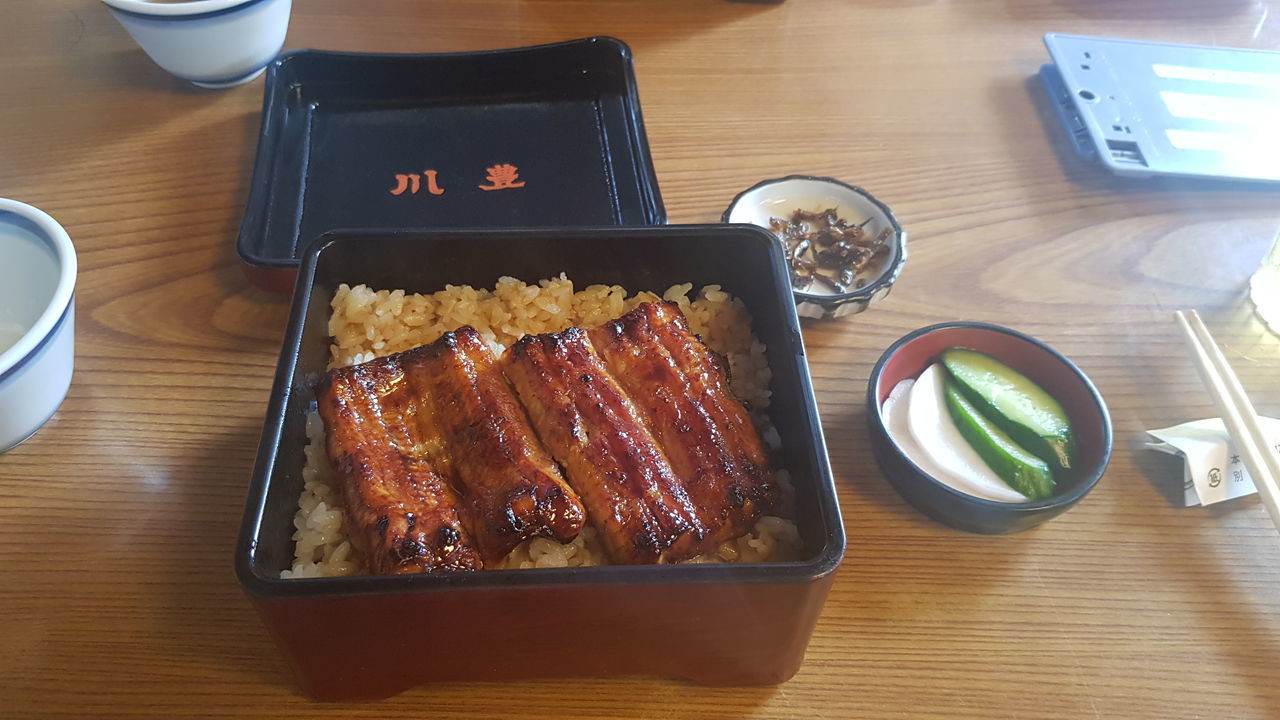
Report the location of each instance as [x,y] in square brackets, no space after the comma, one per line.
[118,520]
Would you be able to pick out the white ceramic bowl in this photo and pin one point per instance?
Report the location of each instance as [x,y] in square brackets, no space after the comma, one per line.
[37,319]
[782,196]
[211,43]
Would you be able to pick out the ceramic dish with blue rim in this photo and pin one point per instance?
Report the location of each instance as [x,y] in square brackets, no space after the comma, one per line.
[37,319]
[210,43]
[845,248]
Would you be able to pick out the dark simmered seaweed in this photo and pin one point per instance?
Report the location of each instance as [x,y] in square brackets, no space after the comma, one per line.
[822,246]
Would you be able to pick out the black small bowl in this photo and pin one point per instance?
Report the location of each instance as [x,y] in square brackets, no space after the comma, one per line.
[1048,368]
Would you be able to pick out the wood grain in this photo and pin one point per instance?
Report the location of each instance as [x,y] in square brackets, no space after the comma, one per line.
[117,521]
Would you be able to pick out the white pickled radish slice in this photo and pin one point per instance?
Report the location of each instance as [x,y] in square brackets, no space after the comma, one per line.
[950,458]
[894,412]
[896,421]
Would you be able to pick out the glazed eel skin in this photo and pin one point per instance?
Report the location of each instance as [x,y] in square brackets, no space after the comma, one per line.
[440,468]
[402,515]
[680,388]
[513,489]
[593,429]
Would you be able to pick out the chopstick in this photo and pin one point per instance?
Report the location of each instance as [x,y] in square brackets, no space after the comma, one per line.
[1237,412]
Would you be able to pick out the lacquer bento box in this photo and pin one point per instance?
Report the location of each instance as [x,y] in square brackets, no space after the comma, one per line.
[361,636]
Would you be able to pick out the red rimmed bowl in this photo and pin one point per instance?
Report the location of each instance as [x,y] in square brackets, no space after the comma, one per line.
[914,352]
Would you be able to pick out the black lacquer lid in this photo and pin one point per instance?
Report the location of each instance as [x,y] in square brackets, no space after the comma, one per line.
[542,136]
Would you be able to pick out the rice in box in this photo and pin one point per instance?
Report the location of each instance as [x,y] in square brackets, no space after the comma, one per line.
[368,323]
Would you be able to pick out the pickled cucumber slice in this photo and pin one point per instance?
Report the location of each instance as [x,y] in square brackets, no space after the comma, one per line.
[1021,470]
[1019,407]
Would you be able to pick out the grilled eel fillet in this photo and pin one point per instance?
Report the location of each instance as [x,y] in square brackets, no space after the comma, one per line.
[443,412]
[402,515]
[679,386]
[512,487]
[590,426]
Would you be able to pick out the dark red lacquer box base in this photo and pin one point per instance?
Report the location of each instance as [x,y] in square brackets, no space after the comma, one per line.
[368,637]
[375,646]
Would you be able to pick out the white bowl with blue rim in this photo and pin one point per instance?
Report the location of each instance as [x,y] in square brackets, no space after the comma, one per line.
[210,43]
[780,197]
[37,319]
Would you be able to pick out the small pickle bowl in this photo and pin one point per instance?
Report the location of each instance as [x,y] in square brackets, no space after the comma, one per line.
[819,293]
[1084,406]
